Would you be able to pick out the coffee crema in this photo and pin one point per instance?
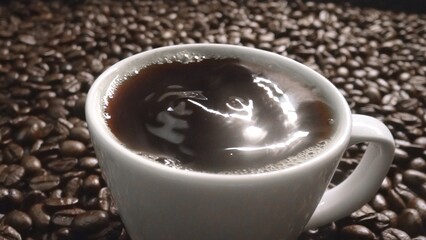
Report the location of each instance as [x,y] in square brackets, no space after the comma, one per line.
[218,115]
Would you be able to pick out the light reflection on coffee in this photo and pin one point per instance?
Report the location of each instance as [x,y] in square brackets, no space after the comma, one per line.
[217,115]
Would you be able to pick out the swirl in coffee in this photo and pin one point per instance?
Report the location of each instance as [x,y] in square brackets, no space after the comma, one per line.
[217,115]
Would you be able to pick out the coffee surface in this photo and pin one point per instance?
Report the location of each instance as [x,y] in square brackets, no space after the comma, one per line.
[216,115]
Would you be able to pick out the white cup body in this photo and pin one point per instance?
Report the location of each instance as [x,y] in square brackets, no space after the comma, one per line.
[159,202]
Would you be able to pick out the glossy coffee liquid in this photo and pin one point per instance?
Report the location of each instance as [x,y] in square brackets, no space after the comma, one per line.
[218,115]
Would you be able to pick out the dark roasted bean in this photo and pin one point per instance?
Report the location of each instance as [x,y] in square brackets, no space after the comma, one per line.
[114,230]
[9,233]
[419,238]
[72,148]
[33,197]
[39,217]
[10,198]
[414,177]
[395,201]
[106,202]
[88,162]
[30,163]
[10,175]
[63,233]
[12,153]
[90,221]
[92,183]
[410,221]
[80,134]
[356,232]
[72,188]
[386,185]
[64,218]
[62,165]
[379,203]
[27,39]
[401,156]
[60,203]
[420,205]
[44,182]
[73,174]
[418,164]
[18,220]
[405,192]
[55,194]
[393,217]
[394,234]
[381,222]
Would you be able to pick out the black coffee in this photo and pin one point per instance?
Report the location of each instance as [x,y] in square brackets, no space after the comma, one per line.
[216,115]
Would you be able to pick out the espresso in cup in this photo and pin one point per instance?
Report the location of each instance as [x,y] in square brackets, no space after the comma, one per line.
[218,115]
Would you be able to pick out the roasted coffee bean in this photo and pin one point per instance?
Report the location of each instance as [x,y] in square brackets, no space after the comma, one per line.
[92,183]
[89,202]
[9,233]
[420,205]
[401,156]
[12,153]
[33,197]
[418,164]
[88,163]
[410,221]
[394,234]
[40,218]
[397,178]
[60,203]
[106,202]
[379,203]
[356,232]
[10,198]
[47,149]
[381,222]
[27,39]
[56,193]
[18,220]
[44,182]
[386,185]
[63,233]
[405,192]
[393,217]
[420,141]
[11,175]
[90,221]
[73,174]
[64,218]
[31,164]
[395,201]
[114,230]
[80,134]
[421,190]
[414,177]
[72,188]
[72,148]
[366,212]
[62,165]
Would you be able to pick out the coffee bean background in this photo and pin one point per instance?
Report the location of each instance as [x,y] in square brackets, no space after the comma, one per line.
[51,186]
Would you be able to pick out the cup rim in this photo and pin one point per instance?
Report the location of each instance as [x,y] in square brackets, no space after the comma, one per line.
[96,122]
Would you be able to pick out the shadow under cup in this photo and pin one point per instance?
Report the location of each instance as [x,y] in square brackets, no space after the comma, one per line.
[159,202]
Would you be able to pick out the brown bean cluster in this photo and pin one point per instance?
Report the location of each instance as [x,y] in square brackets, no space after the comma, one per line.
[51,186]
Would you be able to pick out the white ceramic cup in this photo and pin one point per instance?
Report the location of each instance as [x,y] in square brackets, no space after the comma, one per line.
[157,202]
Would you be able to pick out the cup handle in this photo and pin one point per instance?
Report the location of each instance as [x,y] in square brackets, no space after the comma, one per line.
[365,180]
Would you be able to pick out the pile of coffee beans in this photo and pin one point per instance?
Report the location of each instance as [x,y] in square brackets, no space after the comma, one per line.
[51,186]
